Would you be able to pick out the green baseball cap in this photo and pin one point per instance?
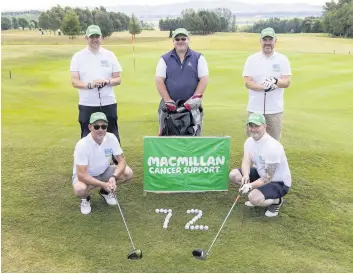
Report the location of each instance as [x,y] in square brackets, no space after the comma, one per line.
[268,32]
[257,119]
[181,31]
[98,116]
[93,29]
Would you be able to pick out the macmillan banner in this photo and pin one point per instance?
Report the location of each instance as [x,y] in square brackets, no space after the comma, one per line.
[186,164]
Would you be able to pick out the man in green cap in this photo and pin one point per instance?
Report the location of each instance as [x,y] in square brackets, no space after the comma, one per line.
[269,179]
[181,75]
[92,167]
[94,72]
[266,75]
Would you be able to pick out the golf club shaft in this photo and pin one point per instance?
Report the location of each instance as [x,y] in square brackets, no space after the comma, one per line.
[100,100]
[265,103]
[219,231]
[122,216]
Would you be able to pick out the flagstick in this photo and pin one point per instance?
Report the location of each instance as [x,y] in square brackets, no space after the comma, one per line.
[133,48]
[133,52]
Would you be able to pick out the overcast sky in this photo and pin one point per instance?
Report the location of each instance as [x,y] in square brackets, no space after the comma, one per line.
[46,4]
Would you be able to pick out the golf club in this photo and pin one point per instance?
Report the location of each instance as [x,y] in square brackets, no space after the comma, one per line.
[99,94]
[265,103]
[135,254]
[200,254]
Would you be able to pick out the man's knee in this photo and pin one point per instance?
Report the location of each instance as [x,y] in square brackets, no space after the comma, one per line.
[256,197]
[127,175]
[80,189]
[235,176]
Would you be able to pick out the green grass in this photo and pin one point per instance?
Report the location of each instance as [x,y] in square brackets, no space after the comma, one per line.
[42,228]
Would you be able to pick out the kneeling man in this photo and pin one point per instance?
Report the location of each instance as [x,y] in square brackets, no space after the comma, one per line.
[92,163]
[269,179]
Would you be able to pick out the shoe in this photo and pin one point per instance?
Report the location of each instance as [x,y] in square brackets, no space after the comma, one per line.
[249,204]
[85,205]
[109,198]
[273,210]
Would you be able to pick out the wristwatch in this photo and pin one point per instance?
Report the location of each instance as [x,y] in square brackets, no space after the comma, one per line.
[115,177]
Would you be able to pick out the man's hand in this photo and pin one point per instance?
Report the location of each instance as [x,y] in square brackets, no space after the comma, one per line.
[245,180]
[107,186]
[100,83]
[272,80]
[193,102]
[170,105]
[112,182]
[270,84]
[245,188]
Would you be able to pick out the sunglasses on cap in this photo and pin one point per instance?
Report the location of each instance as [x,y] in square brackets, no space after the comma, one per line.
[182,39]
[104,127]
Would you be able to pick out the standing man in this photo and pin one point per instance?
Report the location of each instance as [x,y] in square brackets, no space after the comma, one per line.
[266,75]
[269,179]
[95,71]
[92,163]
[181,74]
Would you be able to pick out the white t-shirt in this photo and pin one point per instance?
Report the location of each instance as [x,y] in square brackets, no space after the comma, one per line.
[269,151]
[93,66]
[202,68]
[96,157]
[260,67]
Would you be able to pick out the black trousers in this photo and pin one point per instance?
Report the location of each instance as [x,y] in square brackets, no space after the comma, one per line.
[109,110]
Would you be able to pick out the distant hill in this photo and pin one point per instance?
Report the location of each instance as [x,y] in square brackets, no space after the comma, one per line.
[240,9]
[245,12]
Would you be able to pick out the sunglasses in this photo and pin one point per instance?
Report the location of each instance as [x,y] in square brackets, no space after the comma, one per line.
[182,39]
[96,127]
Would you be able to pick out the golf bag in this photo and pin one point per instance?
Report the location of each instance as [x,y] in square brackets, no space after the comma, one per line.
[179,122]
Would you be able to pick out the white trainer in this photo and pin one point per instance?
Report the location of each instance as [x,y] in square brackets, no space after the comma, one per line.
[249,204]
[273,210]
[109,198]
[85,206]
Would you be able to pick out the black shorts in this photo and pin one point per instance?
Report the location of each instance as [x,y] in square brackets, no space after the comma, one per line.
[271,190]
[109,110]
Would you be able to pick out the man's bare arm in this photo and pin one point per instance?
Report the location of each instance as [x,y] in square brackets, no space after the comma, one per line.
[270,170]
[250,84]
[121,165]
[84,177]
[76,82]
[162,89]
[116,79]
[201,86]
[284,81]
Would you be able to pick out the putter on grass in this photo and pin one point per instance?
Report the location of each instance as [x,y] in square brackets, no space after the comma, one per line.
[201,254]
[136,253]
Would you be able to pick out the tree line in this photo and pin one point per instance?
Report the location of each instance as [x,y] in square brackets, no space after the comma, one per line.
[296,25]
[338,18]
[74,21]
[202,21]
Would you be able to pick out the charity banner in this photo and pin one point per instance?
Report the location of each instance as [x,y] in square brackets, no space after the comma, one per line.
[186,164]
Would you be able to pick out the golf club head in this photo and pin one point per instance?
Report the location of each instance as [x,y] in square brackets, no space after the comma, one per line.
[136,254]
[199,254]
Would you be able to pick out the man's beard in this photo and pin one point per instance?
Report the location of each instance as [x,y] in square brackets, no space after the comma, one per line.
[256,136]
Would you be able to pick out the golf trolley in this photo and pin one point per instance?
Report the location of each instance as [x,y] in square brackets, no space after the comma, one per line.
[180,122]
